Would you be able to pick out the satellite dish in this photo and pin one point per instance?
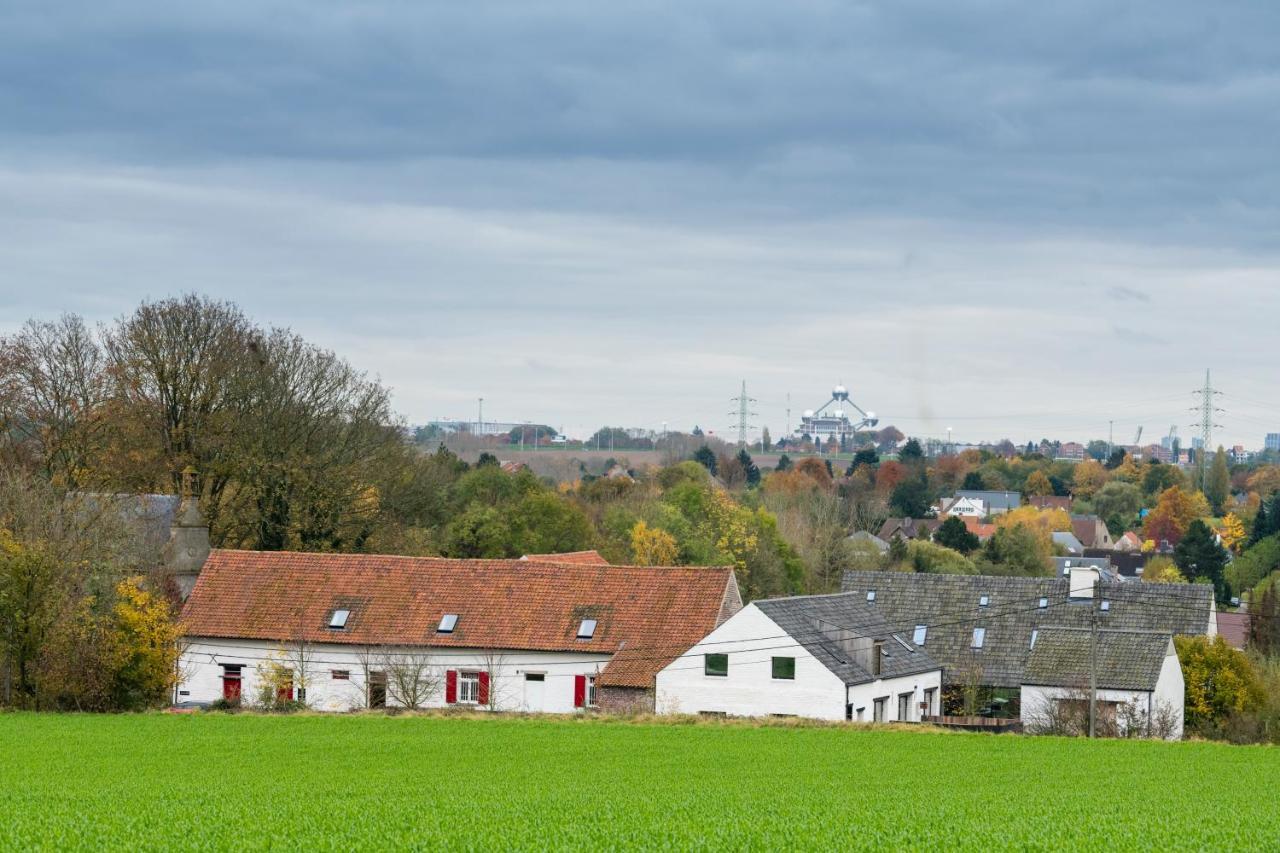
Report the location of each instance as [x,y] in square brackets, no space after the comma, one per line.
[808,413]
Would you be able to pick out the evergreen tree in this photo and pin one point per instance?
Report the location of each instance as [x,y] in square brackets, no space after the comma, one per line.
[766,441]
[784,463]
[749,467]
[866,456]
[1218,489]
[1264,622]
[911,452]
[697,430]
[487,459]
[897,549]
[910,498]
[1261,525]
[1200,557]
[973,482]
[953,534]
[706,457]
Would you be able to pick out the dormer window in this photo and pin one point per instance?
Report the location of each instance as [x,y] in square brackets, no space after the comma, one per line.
[448,622]
[338,619]
[871,595]
[587,629]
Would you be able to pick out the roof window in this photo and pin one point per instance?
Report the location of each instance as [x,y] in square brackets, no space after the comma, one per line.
[1044,602]
[919,635]
[984,601]
[338,619]
[448,622]
[979,637]
[871,595]
[1034,633]
[1106,605]
[587,629]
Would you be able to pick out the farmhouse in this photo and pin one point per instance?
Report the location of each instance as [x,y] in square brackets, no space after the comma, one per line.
[829,657]
[1139,681]
[982,629]
[352,631]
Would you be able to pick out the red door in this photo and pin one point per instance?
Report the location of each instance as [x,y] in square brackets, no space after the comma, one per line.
[231,683]
[284,693]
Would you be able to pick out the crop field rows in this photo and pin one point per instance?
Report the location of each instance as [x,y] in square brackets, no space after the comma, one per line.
[370,782]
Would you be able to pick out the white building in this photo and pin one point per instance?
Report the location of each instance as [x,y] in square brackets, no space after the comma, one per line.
[963,507]
[340,632]
[1139,683]
[826,657]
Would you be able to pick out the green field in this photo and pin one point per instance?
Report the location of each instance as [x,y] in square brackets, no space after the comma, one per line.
[371,782]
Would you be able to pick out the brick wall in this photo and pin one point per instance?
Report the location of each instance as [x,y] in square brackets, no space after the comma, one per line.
[625,700]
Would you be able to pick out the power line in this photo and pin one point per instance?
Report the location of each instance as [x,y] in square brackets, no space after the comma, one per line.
[743,413]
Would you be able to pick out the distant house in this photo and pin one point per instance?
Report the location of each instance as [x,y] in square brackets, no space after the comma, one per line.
[352,630]
[908,528]
[1071,450]
[979,529]
[1130,541]
[1138,678]
[981,629]
[963,507]
[997,503]
[1064,565]
[1091,531]
[840,660]
[1069,542]
[1128,564]
[1061,502]
[862,537]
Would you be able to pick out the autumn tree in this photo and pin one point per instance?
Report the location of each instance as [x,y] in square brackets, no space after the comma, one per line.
[653,546]
[1218,487]
[1220,682]
[1232,532]
[1038,484]
[1162,570]
[1089,477]
[1173,514]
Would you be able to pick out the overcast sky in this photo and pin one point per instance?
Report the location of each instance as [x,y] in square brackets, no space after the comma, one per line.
[1013,219]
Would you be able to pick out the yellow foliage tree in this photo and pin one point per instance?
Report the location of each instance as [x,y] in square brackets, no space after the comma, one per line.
[1232,532]
[732,529]
[1038,484]
[1128,471]
[1047,520]
[653,546]
[1088,478]
[146,645]
[1220,680]
[1173,514]
[1162,570]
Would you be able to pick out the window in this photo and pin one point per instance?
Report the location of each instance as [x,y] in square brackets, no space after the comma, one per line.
[587,629]
[1106,605]
[1034,633]
[338,619]
[448,622]
[341,675]
[591,691]
[871,595]
[984,601]
[979,636]
[929,695]
[469,687]
[784,669]
[717,665]
[1044,602]
[877,654]
[904,707]
[877,711]
[377,689]
[921,632]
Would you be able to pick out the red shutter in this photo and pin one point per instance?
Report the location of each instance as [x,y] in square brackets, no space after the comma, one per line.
[483,696]
[450,686]
[579,691]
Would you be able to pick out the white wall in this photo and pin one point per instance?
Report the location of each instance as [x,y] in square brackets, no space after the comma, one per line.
[1170,688]
[751,640]
[201,669]
[1037,701]
[863,696]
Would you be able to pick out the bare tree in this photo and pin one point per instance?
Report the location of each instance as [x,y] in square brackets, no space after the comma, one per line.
[494,666]
[412,677]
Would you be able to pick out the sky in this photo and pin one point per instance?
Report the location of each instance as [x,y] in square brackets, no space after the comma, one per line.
[1014,220]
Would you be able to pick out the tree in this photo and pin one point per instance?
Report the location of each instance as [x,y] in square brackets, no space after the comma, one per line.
[910,498]
[1256,563]
[749,468]
[413,677]
[1232,532]
[1264,622]
[784,463]
[1220,682]
[1019,550]
[1038,484]
[973,482]
[933,558]
[653,546]
[1097,450]
[954,534]
[1199,556]
[145,645]
[1261,525]
[1116,459]
[1089,477]
[1118,499]
[1159,477]
[898,549]
[1173,514]
[865,456]
[766,441]
[1162,570]
[706,457]
[911,452]
[1218,487]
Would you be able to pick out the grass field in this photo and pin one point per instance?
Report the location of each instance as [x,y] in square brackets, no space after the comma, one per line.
[371,782]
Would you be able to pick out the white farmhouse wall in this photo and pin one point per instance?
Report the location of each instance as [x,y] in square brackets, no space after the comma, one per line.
[751,640]
[201,669]
[1037,702]
[861,697]
[1171,689]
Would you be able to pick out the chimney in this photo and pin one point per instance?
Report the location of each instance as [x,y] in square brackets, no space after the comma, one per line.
[1081,583]
[188,546]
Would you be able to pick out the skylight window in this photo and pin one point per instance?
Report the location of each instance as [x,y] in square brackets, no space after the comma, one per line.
[984,601]
[338,619]
[448,622]
[979,637]
[1044,602]
[871,595]
[1034,633]
[1106,605]
[587,629]
[919,635]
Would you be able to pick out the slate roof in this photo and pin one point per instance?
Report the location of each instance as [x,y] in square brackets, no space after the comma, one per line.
[996,502]
[1127,660]
[646,616]
[815,622]
[1068,541]
[949,605]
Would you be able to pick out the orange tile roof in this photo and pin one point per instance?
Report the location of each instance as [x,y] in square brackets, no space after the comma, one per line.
[583,558]
[649,614]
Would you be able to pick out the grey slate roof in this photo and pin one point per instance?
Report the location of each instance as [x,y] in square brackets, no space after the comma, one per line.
[996,501]
[1127,660]
[949,605]
[814,621]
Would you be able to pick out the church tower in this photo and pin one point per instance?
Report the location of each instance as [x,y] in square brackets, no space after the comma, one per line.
[188,546]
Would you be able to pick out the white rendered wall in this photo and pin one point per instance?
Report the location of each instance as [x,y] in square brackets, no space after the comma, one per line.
[1037,701]
[751,640]
[201,669]
[1171,689]
[863,696]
